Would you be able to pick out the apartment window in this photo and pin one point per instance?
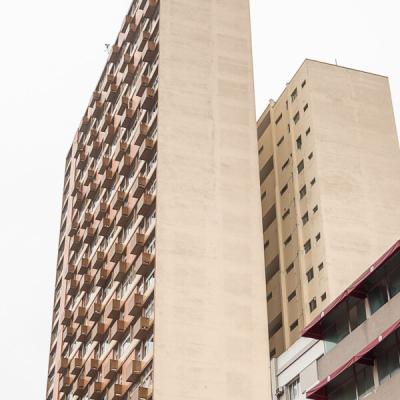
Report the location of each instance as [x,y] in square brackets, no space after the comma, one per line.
[294,325]
[304,218]
[269,297]
[287,105]
[305,107]
[290,267]
[280,141]
[323,296]
[308,131]
[291,296]
[278,119]
[300,167]
[303,191]
[293,390]
[318,237]
[321,266]
[312,181]
[288,240]
[272,353]
[303,84]
[288,128]
[296,118]
[313,304]
[283,190]
[286,214]
[388,361]
[310,274]
[315,209]
[266,244]
[260,150]
[299,142]
[294,95]
[307,246]
[311,155]
[264,195]
[285,164]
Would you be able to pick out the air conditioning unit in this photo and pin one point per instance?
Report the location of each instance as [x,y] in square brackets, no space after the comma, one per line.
[279,391]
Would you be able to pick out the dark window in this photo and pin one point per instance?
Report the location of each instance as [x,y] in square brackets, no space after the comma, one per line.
[310,274]
[288,240]
[294,95]
[269,297]
[264,125]
[266,169]
[266,244]
[310,156]
[377,297]
[286,164]
[313,304]
[272,268]
[283,190]
[305,107]
[272,353]
[269,218]
[299,142]
[304,218]
[290,267]
[294,325]
[296,118]
[300,167]
[308,131]
[264,195]
[323,297]
[313,181]
[307,246]
[286,214]
[321,266]
[315,209]
[288,128]
[303,84]
[280,141]
[260,149]
[278,119]
[303,191]
[292,296]
[318,237]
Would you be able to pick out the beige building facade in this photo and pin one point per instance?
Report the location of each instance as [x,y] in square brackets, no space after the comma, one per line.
[329,165]
[160,277]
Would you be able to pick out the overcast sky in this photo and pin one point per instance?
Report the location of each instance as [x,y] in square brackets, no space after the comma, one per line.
[52,53]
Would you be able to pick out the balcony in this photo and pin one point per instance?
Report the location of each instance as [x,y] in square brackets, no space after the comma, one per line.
[78,201]
[96,148]
[63,368]
[68,334]
[99,259]
[104,163]
[129,115]
[87,219]
[144,83]
[117,391]
[82,333]
[77,187]
[112,93]
[82,160]
[76,366]
[130,72]
[89,235]
[107,179]
[132,370]
[73,287]
[115,50]
[93,135]
[126,165]
[102,210]
[150,51]
[149,98]
[136,245]
[83,265]
[92,367]
[74,228]
[99,332]
[110,134]
[86,283]
[123,216]
[113,309]
[80,386]
[117,251]
[121,270]
[147,149]
[71,271]
[96,390]
[121,149]
[146,204]
[101,277]
[119,329]
[105,226]
[139,186]
[76,242]
[91,176]
[67,317]
[142,393]
[110,368]
[118,200]
[80,315]
[94,312]
[142,328]
[65,384]
[145,263]
[142,134]
[92,190]
[98,108]
[150,7]
[135,304]
[130,33]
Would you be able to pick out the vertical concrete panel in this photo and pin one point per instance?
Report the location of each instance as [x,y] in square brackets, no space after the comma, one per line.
[210,311]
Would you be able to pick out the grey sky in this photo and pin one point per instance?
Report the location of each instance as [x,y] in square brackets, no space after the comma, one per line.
[52,53]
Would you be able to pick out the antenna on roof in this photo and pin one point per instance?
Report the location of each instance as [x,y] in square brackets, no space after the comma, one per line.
[107,45]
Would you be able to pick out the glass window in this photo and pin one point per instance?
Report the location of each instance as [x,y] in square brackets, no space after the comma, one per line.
[357,314]
[365,379]
[394,282]
[387,356]
[343,387]
[377,297]
[293,390]
[335,327]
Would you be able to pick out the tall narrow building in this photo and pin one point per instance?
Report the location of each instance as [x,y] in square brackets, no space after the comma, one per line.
[329,170]
[160,278]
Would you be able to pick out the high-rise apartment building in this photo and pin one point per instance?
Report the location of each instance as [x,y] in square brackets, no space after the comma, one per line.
[329,170]
[160,287]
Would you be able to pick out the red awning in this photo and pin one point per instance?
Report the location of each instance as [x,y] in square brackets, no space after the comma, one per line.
[313,330]
[319,391]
